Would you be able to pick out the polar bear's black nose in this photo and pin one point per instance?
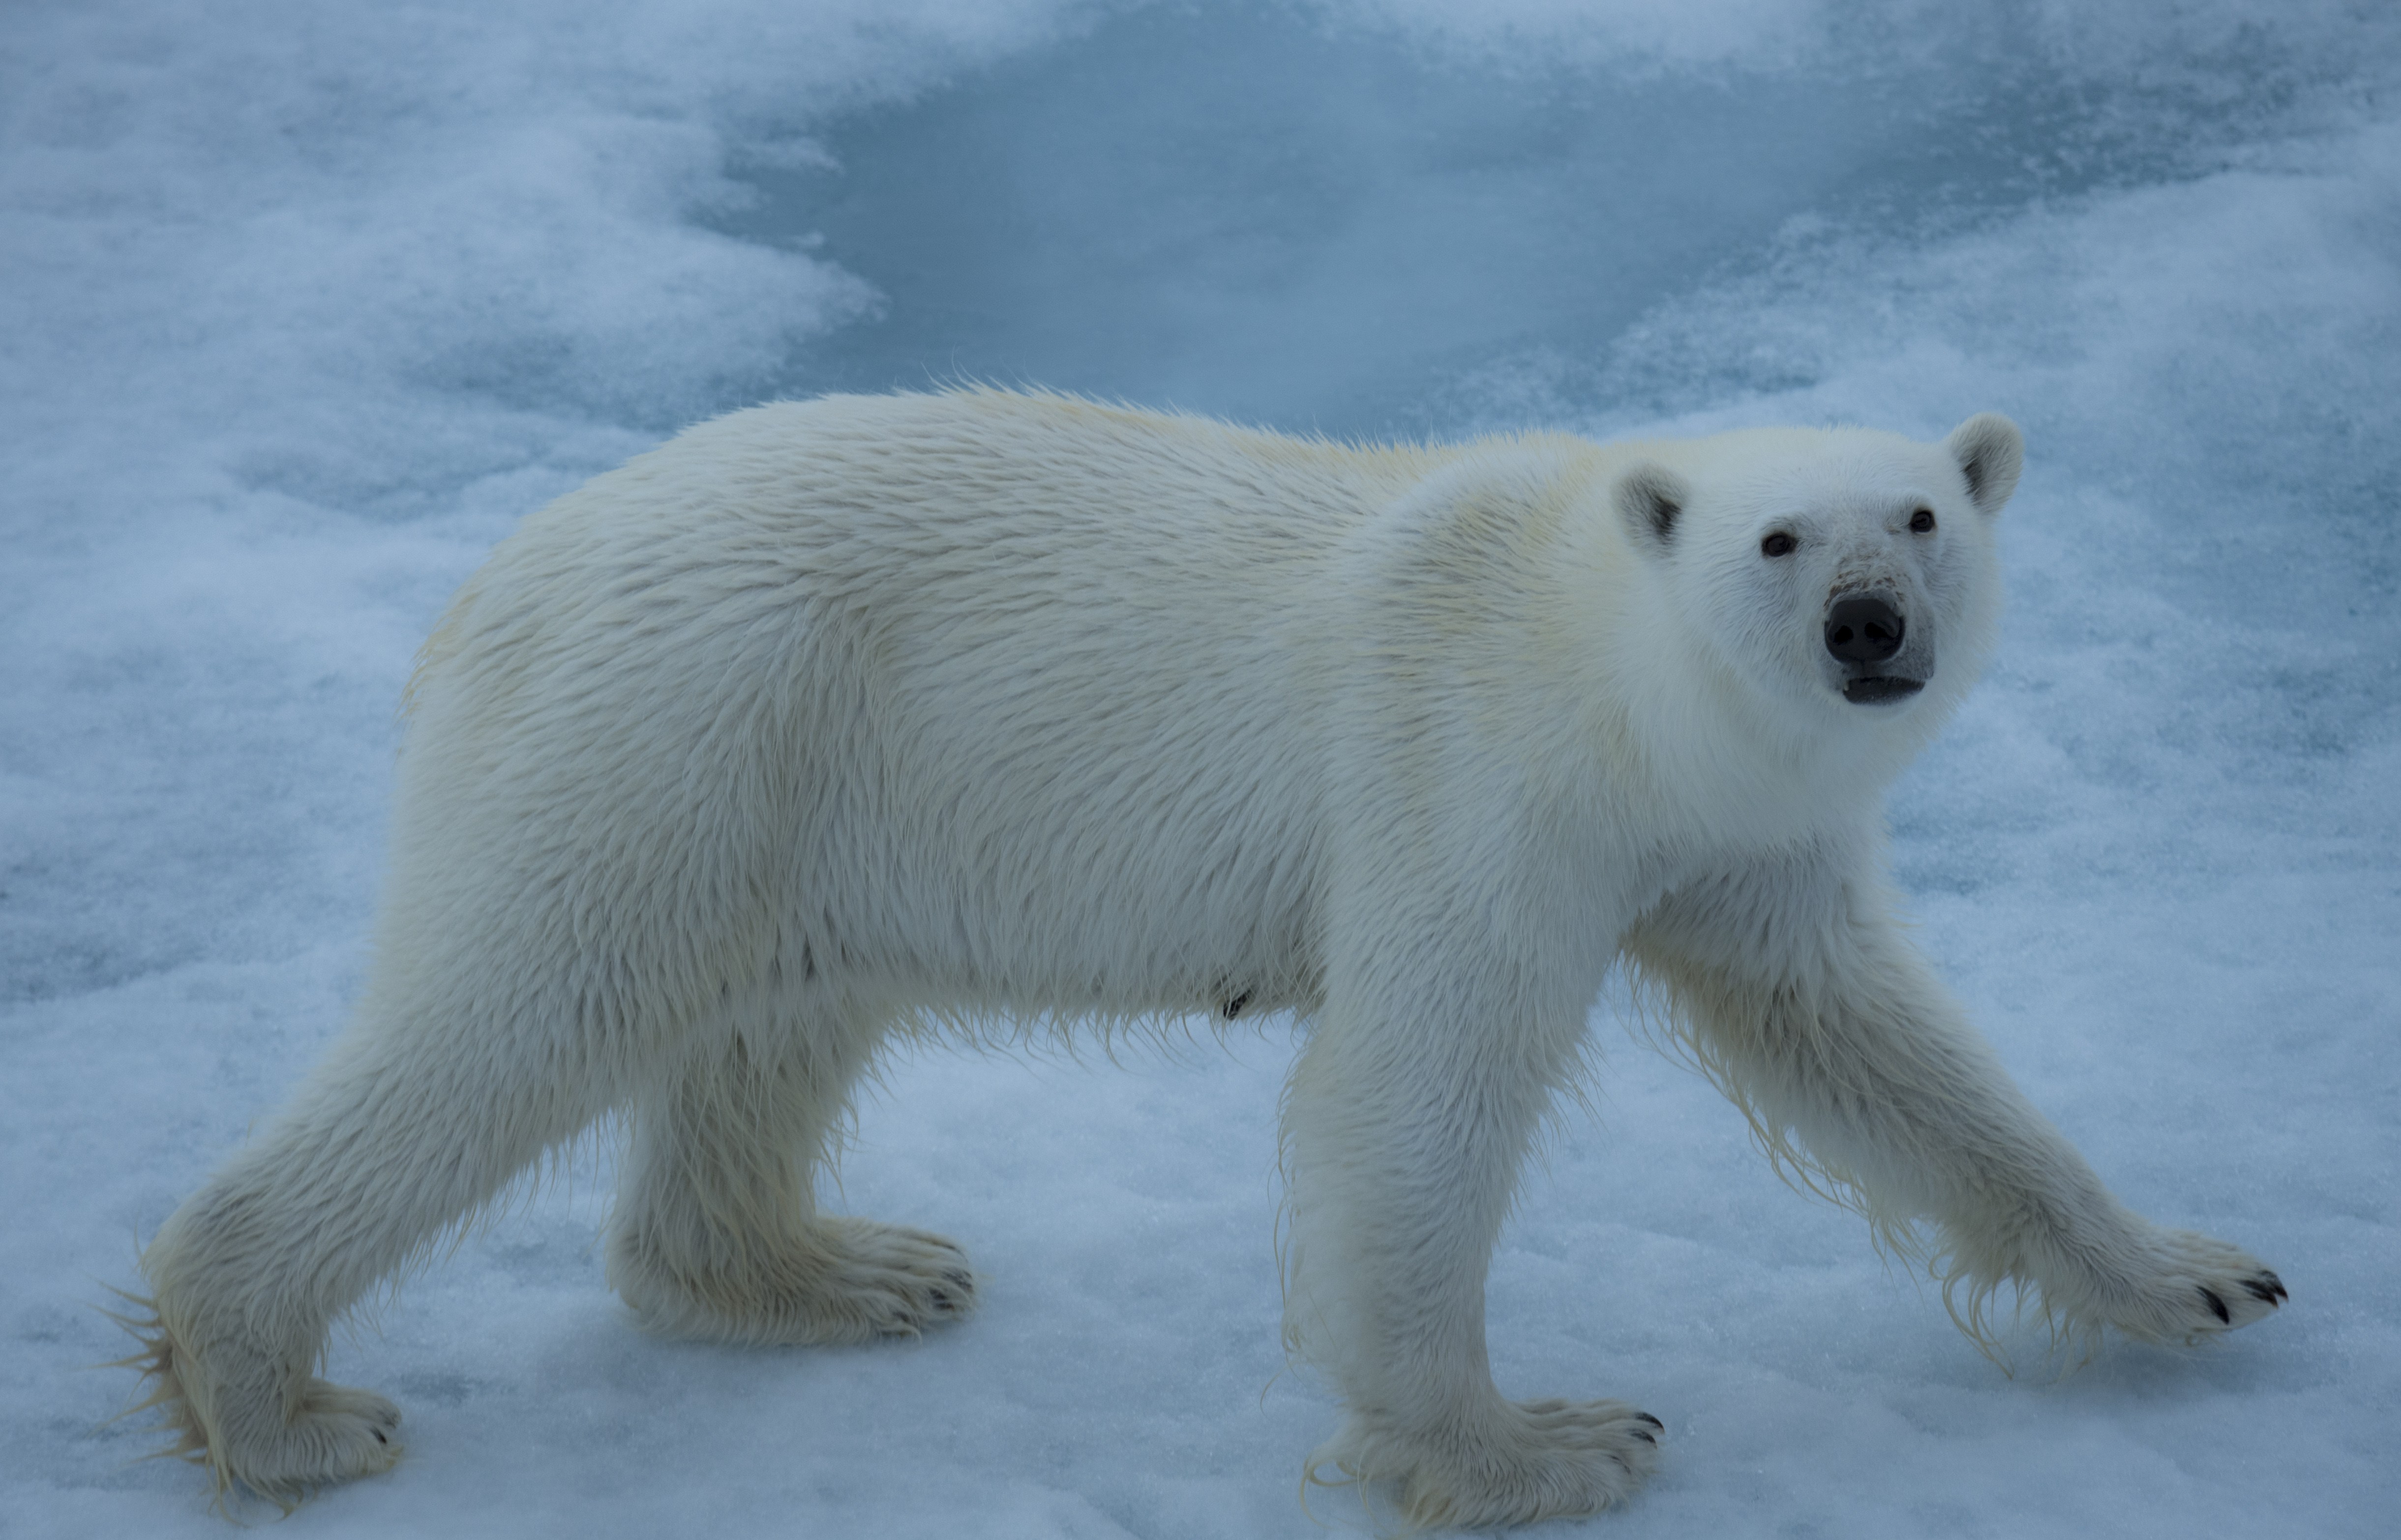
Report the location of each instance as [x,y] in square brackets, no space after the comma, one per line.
[1863,628]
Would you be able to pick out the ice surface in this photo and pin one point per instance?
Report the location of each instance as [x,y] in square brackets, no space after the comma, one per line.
[305,303]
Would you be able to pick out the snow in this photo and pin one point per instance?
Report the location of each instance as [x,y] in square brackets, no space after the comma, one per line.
[305,304]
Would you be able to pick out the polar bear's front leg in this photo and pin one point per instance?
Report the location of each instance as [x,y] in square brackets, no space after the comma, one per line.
[1405,1131]
[1800,991]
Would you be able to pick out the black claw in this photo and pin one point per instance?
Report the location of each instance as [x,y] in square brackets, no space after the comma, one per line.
[380,1438]
[2260,1291]
[2216,1304]
[1652,1421]
[941,1301]
[1651,1438]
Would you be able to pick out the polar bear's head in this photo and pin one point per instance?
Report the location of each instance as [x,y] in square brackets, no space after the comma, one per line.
[1848,574]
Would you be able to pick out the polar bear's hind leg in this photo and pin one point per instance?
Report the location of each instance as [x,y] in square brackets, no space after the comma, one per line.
[717,1233]
[332,1433]
[409,1127]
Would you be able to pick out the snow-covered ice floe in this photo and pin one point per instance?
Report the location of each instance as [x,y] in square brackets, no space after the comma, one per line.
[305,305]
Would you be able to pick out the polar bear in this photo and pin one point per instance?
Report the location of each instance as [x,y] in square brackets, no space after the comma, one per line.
[921,712]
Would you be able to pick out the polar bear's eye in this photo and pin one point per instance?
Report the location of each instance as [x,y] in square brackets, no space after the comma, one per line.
[1922,522]
[1777,544]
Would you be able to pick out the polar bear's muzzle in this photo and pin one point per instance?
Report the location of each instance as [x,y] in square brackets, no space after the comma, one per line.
[1868,636]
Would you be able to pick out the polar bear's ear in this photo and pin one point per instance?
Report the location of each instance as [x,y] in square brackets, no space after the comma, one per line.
[1990,452]
[1651,499]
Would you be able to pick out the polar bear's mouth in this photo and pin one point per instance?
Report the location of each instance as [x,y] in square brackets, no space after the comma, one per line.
[1878,689]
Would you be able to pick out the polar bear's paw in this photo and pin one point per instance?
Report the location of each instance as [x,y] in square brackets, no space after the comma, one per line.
[336,1433]
[2193,1287]
[884,1280]
[1522,1462]
[278,1443]
[840,1280]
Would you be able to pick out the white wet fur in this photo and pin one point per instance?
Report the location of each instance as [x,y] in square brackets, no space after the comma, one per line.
[989,713]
